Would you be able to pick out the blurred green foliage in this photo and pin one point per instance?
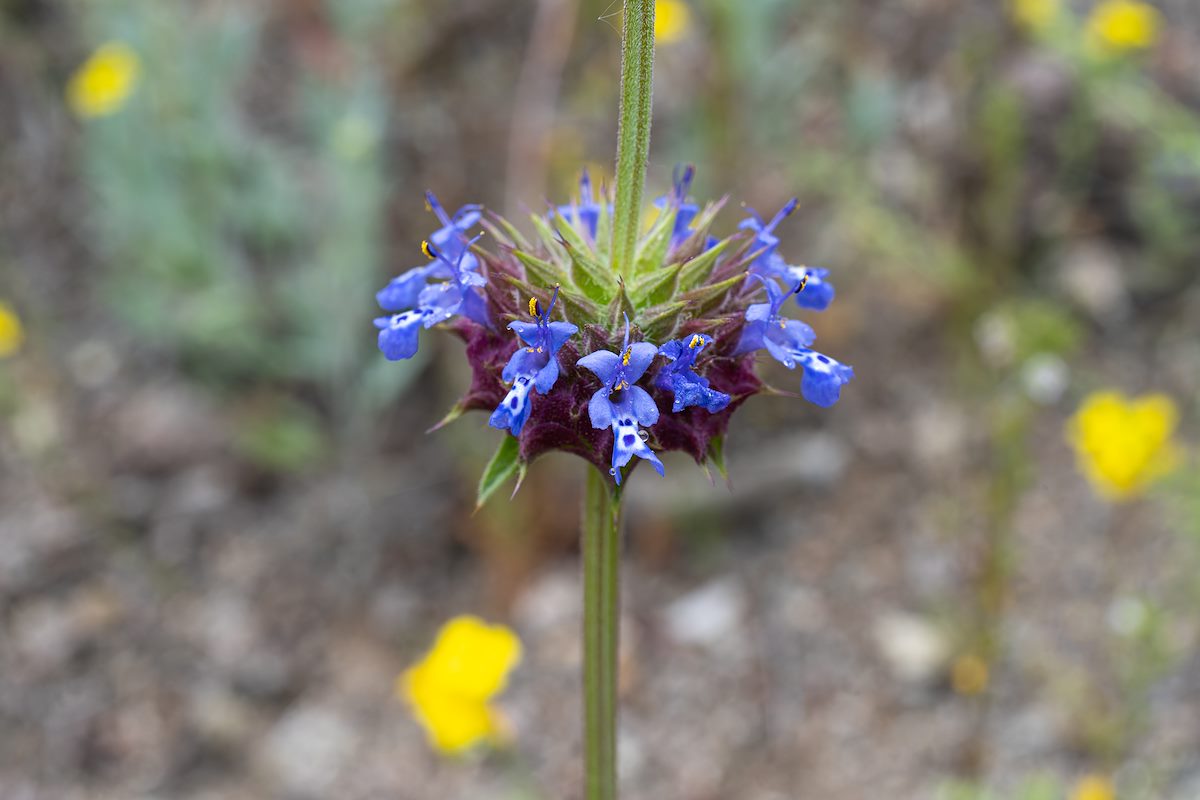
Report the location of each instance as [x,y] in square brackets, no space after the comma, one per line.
[239,199]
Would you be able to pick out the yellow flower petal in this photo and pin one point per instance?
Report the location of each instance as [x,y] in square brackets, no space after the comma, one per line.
[671,20]
[450,687]
[104,82]
[1094,787]
[1036,15]
[1121,445]
[1123,25]
[11,332]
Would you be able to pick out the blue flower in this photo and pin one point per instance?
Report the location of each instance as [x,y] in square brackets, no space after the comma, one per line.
[621,405]
[436,302]
[531,367]
[765,329]
[680,379]
[450,238]
[685,212]
[818,291]
[765,241]
[404,292]
[788,341]
[398,333]
[586,212]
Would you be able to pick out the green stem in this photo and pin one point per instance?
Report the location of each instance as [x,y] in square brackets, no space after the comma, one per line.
[601,563]
[633,135]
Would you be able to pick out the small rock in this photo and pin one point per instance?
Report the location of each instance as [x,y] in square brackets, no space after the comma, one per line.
[308,749]
[915,651]
[710,616]
[1045,378]
[164,425]
[1091,274]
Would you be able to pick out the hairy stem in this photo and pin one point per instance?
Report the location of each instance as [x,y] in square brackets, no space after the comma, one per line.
[633,135]
[601,563]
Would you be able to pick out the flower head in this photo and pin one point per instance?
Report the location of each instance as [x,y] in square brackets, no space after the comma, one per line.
[1122,445]
[584,214]
[680,379]
[765,241]
[534,366]
[11,332]
[1119,26]
[621,405]
[685,287]
[105,81]
[450,689]
[434,302]
[685,212]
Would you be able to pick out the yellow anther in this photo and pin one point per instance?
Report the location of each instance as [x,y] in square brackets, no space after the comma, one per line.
[427,249]
[625,358]
[803,283]
[533,307]
[696,341]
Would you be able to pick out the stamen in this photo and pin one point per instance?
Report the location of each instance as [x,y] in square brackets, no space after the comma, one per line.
[533,307]
[696,341]
[428,250]
[625,358]
[800,286]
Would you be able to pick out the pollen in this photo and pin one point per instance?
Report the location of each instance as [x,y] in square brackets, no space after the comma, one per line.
[625,358]
[696,341]
[533,307]
[427,248]
[803,283]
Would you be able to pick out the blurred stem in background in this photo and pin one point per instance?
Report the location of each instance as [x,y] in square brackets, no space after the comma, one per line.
[536,95]
[602,501]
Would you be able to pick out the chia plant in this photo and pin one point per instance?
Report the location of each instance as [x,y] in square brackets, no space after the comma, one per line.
[593,338]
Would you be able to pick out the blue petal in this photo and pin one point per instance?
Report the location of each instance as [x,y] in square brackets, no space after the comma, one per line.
[402,292]
[398,335]
[640,356]
[796,333]
[547,375]
[626,444]
[759,312]
[528,331]
[600,409]
[559,333]
[779,352]
[522,362]
[671,349]
[644,408]
[474,308]
[823,378]
[513,410]
[603,365]
[752,337]
[816,296]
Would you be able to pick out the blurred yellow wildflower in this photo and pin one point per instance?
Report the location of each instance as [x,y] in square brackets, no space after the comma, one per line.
[1094,787]
[1124,445]
[105,81]
[671,20]
[11,332]
[969,674]
[450,687]
[1035,15]
[1122,25]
